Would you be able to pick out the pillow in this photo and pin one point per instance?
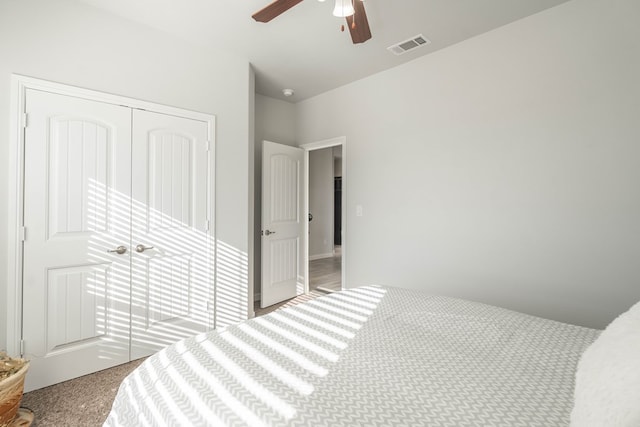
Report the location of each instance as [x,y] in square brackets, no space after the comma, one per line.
[607,392]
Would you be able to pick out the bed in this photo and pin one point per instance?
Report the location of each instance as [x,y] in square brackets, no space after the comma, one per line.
[362,357]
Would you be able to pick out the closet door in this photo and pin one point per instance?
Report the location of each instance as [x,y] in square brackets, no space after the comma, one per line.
[172,249]
[76,214]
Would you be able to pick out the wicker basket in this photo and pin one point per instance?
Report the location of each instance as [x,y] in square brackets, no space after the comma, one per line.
[11,389]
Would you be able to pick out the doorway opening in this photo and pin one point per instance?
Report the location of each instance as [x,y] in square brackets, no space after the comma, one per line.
[293,277]
[324,200]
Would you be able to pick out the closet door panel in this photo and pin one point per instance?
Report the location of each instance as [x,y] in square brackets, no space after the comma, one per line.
[172,287]
[76,209]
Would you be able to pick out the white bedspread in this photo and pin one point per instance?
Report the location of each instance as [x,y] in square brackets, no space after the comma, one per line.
[363,357]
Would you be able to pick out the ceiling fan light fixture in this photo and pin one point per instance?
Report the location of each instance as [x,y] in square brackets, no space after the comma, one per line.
[343,8]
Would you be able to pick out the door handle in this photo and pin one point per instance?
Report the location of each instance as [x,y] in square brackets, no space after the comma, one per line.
[120,250]
[268,232]
[142,248]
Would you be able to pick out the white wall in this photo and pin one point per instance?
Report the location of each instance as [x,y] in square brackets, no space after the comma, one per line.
[337,161]
[504,169]
[275,122]
[68,42]
[321,203]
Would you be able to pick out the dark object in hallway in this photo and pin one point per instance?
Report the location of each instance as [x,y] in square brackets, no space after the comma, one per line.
[337,210]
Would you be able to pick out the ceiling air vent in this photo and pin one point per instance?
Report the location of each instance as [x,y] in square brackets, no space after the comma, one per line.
[410,44]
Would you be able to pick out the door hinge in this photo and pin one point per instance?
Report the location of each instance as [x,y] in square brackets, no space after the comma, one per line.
[25,120]
[206,225]
[22,233]
[208,146]
[210,306]
[21,348]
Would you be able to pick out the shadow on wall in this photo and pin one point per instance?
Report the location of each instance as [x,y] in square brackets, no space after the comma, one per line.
[232,292]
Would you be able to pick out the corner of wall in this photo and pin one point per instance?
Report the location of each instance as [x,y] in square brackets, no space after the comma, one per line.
[251,193]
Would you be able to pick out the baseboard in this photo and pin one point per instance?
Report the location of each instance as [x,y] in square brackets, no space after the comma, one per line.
[256,297]
[320,256]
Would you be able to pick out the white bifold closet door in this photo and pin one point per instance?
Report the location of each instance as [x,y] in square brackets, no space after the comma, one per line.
[118,259]
[172,280]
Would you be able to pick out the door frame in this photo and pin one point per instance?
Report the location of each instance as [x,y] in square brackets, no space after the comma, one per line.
[319,145]
[15,232]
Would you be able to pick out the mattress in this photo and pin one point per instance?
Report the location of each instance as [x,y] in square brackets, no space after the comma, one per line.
[366,356]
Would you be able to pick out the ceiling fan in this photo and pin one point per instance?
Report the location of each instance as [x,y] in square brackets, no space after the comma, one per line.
[352,10]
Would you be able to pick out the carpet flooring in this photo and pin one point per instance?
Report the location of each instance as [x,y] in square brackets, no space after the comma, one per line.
[84,401]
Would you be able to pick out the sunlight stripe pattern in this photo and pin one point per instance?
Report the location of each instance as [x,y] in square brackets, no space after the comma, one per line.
[405,358]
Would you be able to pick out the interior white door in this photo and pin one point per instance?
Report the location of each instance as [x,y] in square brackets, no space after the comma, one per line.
[76,214]
[282,223]
[172,288]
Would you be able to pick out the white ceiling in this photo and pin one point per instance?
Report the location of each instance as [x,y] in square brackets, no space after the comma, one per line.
[305,50]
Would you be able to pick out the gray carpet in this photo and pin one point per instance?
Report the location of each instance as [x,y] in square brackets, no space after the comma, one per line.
[82,402]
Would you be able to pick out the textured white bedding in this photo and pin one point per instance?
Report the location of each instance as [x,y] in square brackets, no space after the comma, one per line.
[365,356]
[608,376]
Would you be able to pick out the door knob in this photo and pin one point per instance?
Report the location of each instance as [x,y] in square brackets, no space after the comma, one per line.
[268,232]
[142,248]
[119,250]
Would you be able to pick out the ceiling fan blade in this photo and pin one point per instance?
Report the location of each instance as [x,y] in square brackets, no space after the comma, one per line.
[360,32]
[274,9]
